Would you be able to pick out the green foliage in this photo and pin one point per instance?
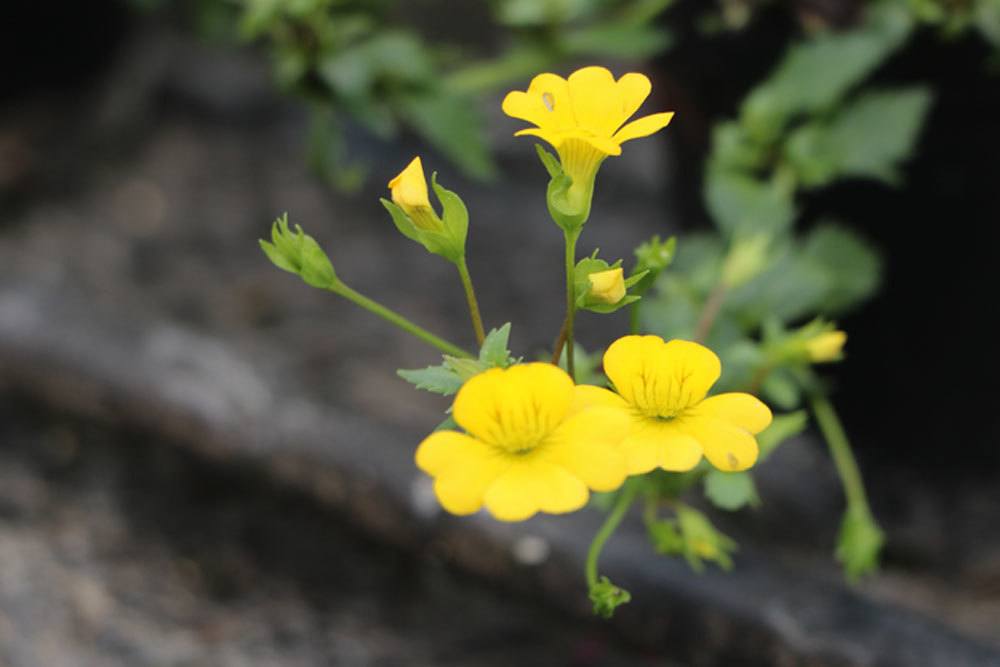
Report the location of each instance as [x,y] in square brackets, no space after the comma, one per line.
[859,542]
[606,597]
[448,377]
[782,428]
[298,253]
[731,490]
[692,536]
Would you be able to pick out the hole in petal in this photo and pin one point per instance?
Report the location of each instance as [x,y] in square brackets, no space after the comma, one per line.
[549,101]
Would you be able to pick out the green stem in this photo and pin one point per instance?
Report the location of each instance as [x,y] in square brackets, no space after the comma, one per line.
[633,318]
[470,296]
[710,311]
[571,238]
[557,348]
[611,523]
[840,451]
[400,321]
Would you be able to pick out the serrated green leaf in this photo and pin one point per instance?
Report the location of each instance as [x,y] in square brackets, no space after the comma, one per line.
[495,351]
[730,490]
[436,379]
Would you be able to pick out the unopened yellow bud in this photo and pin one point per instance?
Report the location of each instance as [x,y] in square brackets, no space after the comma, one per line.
[409,192]
[826,346]
[607,286]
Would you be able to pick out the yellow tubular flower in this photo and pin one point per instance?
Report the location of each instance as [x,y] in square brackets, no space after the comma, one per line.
[662,390]
[527,449]
[583,117]
[827,346]
[409,192]
[607,286]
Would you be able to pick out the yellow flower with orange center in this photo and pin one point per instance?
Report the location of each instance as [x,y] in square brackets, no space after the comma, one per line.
[662,390]
[527,448]
[584,117]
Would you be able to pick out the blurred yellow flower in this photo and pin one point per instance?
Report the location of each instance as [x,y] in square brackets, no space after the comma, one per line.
[583,117]
[527,448]
[827,346]
[409,192]
[607,286]
[662,389]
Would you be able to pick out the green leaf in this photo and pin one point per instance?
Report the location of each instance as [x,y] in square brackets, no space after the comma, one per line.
[868,138]
[852,267]
[815,74]
[453,125]
[617,40]
[494,352]
[454,214]
[781,389]
[436,379]
[744,206]
[782,428]
[730,490]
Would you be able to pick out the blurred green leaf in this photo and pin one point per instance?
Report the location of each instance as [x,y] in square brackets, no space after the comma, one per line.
[782,428]
[730,490]
[617,41]
[814,74]
[852,267]
[745,206]
[454,126]
[868,138]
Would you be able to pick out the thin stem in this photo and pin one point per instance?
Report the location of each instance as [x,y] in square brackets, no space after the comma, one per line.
[840,451]
[400,321]
[710,311]
[470,296]
[633,318]
[557,347]
[611,523]
[571,238]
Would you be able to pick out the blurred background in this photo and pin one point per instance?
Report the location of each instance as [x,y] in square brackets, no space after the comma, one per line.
[204,462]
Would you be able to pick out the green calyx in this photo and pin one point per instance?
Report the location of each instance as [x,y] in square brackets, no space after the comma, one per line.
[446,239]
[583,285]
[568,199]
[298,253]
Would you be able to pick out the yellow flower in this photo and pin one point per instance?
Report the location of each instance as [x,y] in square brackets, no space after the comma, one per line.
[827,346]
[409,192]
[583,117]
[527,448]
[607,286]
[662,389]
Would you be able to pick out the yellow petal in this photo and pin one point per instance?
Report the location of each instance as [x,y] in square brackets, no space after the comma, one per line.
[546,103]
[743,410]
[643,127]
[532,485]
[461,489]
[586,445]
[588,396]
[607,286]
[727,447]
[463,469]
[514,408]
[409,188]
[664,445]
[633,88]
[658,378]
[443,449]
[597,102]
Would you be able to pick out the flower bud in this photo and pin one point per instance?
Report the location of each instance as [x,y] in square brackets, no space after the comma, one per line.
[298,253]
[409,192]
[607,286]
[827,346]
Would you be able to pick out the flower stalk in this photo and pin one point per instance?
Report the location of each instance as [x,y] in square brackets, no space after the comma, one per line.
[470,297]
[614,519]
[395,318]
[571,239]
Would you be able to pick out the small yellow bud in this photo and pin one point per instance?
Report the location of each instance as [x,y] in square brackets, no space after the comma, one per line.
[607,286]
[409,192]
[826,346]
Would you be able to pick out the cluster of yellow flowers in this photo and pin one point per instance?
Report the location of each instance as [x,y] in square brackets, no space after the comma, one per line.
[535,442]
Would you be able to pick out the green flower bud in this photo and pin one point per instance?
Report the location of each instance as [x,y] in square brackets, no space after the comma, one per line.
[298,253]
[607,597]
